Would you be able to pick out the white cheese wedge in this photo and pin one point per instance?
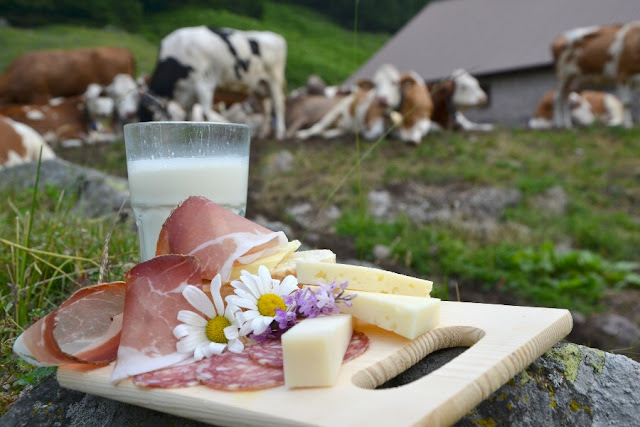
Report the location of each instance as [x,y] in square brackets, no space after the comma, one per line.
[405,315]
[269,261]
[362,278]
[288,265]
[313,350]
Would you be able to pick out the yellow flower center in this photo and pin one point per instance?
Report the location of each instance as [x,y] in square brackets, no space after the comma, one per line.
[268,303]
[215,329]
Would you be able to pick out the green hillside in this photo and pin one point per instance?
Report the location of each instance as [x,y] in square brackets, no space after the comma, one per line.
[315,45]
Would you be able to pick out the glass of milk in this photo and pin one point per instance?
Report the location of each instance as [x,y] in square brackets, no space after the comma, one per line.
[169,161]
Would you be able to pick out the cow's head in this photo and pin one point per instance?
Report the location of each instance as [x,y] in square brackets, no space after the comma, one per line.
[387,86]
[468,92]
[124,92]
[99,106]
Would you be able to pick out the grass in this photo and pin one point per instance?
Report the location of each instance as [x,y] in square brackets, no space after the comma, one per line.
[46,253]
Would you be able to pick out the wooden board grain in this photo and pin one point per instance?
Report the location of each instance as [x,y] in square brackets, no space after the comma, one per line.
[503,341]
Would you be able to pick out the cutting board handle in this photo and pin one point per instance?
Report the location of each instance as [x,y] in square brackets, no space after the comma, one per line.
[414,351]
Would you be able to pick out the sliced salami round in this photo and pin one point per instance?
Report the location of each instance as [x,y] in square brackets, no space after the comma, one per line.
[237,372]
[175,376]
[357,346]
[267,353]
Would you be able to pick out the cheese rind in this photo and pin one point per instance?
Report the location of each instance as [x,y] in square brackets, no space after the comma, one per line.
[313,350]
[405,315]
[362,278]
[269,261]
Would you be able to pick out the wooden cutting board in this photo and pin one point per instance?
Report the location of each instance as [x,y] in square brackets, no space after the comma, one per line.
[503,340]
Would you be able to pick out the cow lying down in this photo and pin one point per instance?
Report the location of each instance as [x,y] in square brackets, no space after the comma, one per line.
[20,144]
[586,108]
[421,108]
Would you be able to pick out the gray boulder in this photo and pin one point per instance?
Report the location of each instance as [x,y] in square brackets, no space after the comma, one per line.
[97,194]
[569,385]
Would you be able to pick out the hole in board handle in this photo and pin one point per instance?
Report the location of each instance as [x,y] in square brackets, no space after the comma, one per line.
[416,350]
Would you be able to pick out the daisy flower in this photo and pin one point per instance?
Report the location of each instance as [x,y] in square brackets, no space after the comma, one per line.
[212,334]
[260,295]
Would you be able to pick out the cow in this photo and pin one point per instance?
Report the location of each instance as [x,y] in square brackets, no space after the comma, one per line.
[195,61]
[586,108]
[35,77]
[597,56]
[458,92]
[19,144]
[365,111]
[413,119]
[72,120]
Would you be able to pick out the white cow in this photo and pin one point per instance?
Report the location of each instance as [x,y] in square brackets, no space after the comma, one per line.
[586,108]
[194,61]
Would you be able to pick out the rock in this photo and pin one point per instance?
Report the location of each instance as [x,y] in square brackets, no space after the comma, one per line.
[97,194]
[308,217]
[569,385]
[553,201]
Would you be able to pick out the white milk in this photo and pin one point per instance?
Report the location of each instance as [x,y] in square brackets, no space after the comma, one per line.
[157,186]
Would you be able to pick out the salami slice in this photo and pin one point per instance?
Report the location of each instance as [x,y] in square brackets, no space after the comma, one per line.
[175,376]
[357,346]
[267,353]
[237,372]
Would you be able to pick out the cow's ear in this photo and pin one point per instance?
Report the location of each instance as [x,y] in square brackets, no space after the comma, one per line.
[407,82]
[365,84]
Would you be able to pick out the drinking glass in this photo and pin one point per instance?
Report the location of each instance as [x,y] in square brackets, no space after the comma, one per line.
[169,161]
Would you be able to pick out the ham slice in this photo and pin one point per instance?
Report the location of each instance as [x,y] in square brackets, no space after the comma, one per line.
[85,328]
[216,236]
[153,300]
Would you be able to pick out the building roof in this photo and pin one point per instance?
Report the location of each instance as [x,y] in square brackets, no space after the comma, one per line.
[490,36]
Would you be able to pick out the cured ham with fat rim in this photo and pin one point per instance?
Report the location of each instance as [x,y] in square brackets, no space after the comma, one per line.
[85,328]
[216,236]
[153,300]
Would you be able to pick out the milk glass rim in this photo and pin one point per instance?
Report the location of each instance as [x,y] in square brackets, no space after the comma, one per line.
[183,123]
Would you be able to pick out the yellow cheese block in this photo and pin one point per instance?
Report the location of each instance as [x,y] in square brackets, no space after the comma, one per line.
[405,315]
[269,261]
[313,350]
[362,278]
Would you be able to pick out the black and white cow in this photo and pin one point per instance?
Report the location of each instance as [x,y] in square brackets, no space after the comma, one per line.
[194,61]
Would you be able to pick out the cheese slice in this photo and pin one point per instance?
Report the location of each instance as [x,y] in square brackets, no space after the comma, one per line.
[405,315]
[269,261]
[362,278]
[288,265]
[313,350]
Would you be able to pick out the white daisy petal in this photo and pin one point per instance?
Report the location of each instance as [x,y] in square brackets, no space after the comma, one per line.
[231,333]
[239,284]
[246,316]
[191,318]
[289,285]
[246,329]
[260,323]
[199,300]
[198,353]
[189,343]
[254,285]
[245,295]
[265,278]
[241,302]
[216,348]
[235,346]
[183,330]
[216,284]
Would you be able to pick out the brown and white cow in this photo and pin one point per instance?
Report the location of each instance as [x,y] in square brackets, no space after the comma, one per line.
[35,77]
[365,111]
[413,119]
[458,92]
[73,120]
[19,144]
[597,55]
[586,108]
